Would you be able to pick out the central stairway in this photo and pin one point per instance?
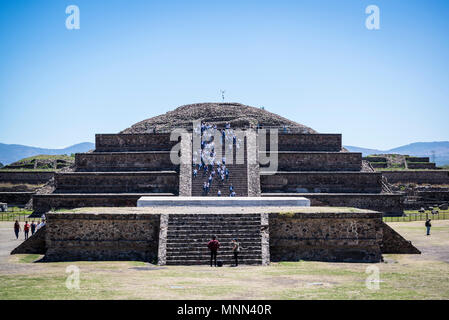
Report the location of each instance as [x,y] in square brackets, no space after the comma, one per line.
[188,235]
[238,177]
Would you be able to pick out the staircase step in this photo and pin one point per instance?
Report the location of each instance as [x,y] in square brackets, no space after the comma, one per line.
[213,215]
[207,255]
[202,237]
[203,253]
[223,245]
[207,261]
[187,240]
[202,247]
[218,229]
[195,224]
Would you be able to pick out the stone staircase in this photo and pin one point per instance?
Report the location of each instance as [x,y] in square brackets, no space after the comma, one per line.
[238,177]
[188,235]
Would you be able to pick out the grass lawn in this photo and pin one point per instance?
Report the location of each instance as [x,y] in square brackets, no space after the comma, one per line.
[422,276]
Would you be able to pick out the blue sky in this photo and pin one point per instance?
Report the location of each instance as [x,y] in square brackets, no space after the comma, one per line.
[311,61]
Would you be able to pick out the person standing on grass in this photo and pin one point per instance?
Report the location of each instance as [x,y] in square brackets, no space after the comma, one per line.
[17,229]
[26,229]
[213,246]
[428,226]
[235,251]
[33,227]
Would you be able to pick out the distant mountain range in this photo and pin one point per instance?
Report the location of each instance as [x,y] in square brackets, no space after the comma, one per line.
[10,153]
[439,149]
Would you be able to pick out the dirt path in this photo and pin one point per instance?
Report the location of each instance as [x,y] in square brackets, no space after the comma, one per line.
[433,247]
[8,240]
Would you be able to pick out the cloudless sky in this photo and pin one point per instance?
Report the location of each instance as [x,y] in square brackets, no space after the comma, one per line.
[314,62]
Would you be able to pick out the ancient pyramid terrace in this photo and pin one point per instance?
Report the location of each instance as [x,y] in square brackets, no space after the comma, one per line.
[137,162]
[301,208]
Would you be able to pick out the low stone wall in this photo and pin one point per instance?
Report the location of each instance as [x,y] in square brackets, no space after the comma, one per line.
[114,182]
[436,196]
[290,233]
[418,177]
[46,202]
[15,198]
[76,236]
[125,161]
[319,161]
[417,159]
[375,159]
[133,142]
[307,142]
[30,177]
[424,165]
[424,199]
[388,204]
[322,182]
[343,237]
[379,164]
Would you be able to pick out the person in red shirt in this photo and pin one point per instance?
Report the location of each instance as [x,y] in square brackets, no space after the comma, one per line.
[213,246]
[26,229]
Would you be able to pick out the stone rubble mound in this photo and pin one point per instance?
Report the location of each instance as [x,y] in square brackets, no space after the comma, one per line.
[236,114]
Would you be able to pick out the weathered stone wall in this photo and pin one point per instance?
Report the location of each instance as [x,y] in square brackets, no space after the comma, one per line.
[73,236]
[133,142]
[111,182]
[326,182]
[379,164]
[435,196]
[125,161]
[31,177]
[307,142]
[375,159]
[127,234]
[425,165]
[388,204]
[16,198]
[417,159]
[424,199]
[418,177]
[319,161]
[35,244]
[393,242]
[345,237]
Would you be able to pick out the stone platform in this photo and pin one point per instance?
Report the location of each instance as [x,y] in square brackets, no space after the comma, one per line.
[178,235]
[223,202]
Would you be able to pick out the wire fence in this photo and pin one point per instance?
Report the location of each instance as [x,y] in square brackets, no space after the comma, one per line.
[15,213]
[418,217]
